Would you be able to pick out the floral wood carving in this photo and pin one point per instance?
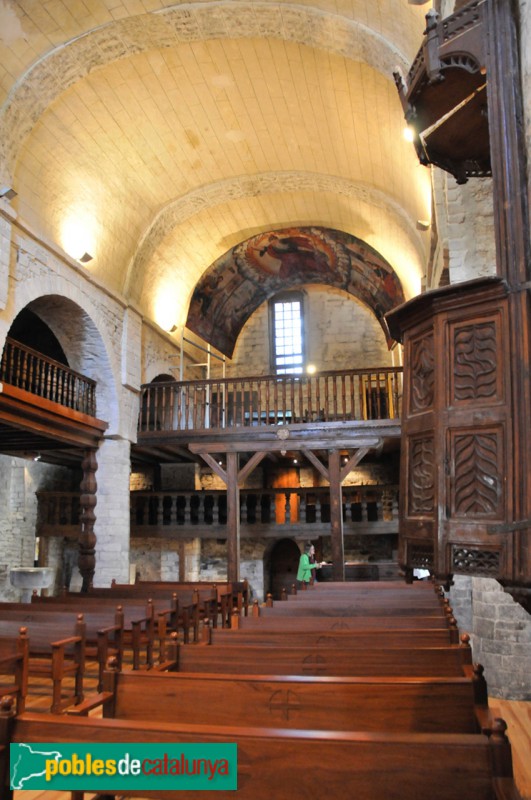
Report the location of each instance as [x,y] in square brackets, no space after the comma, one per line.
[422,375]
[421,477]
[476,483]
[475,362]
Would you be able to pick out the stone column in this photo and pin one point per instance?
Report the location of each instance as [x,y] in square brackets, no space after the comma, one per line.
[113,522]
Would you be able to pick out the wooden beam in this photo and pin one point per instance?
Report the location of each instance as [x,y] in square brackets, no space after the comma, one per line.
[336,516]
[251,464]
[353,461]
[276,446]
[319,466]
[218,469]
[233,519]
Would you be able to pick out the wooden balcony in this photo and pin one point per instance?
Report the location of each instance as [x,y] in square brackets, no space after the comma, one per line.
[263,513]
[46,409]
[29,370]
[345,410]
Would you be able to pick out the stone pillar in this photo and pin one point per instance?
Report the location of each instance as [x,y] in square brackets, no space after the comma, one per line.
[112,525]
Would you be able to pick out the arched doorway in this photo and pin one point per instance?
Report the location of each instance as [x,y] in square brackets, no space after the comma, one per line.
[283,566]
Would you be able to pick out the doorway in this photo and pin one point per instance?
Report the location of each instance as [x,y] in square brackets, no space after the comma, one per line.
[283,565]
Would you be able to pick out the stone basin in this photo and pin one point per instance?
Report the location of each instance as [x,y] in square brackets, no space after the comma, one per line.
[29,578]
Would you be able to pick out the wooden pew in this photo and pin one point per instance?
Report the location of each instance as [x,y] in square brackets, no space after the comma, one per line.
[445,661]
[332,638]
[450,705]
[348,609]
[53,654]
[139,619]
[326,623]
[104,631]
[207,600]
[181,613]
[14,655]
[274,762]
[239,590]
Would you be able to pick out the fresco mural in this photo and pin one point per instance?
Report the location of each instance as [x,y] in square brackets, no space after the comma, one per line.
[274,261]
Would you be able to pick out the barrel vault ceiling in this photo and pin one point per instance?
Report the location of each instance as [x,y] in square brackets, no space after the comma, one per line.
[157,136]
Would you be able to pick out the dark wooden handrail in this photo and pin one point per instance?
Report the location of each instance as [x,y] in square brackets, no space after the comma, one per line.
[33,372]
[336,395]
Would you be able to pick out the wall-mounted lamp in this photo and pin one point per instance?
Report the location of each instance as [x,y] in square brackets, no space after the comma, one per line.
[311,369]
[423,224]
[409,134]
[85,258]
[172,329]
[7,193]
[37,457]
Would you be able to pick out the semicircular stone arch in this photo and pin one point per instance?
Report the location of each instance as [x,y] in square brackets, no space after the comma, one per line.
[84,344]
[277,260]
[60,69]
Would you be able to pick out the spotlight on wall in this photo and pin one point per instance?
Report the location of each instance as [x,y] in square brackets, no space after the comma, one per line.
[37,457]
[423,224]
[408,134]
[85,258]
[7,193]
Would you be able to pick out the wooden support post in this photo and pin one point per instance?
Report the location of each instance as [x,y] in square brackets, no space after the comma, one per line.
[233,518]
[87,538]
[336,516]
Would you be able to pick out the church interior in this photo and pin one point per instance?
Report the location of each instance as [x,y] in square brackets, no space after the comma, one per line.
[265,275]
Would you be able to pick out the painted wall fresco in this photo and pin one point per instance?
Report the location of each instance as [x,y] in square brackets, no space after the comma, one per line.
[274,261]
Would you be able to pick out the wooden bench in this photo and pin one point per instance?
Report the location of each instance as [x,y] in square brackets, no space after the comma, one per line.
[229,594]
[181,613]
[326,623]
[351,609]
[451,705]
[53,654]
[332,638]
[139,617]
[279,763]
[14,668]
[445,661]
[103,629]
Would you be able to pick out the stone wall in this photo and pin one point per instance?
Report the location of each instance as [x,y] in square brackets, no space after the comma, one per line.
[500,633]
[340,333]
[20,479]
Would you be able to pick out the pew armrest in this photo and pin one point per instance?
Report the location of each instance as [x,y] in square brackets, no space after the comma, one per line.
[91,703]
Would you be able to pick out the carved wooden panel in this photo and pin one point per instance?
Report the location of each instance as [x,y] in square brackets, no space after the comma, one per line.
[422,374]
[477,458]
[474,351]
[420,556]
[474,561]
[421,477]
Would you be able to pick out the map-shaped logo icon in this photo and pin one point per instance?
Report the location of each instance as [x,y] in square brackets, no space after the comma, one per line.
[28,763]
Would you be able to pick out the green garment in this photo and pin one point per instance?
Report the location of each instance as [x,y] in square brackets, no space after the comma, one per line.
[304,572]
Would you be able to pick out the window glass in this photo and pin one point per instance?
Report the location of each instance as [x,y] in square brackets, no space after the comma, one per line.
[288,354]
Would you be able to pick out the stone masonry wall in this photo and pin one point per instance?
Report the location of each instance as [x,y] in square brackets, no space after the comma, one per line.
[20,479]
[339,332]
[500,632]
[466,216]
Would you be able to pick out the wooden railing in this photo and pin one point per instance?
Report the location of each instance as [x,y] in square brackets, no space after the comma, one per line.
[271,400]
[29,370]
[366,509]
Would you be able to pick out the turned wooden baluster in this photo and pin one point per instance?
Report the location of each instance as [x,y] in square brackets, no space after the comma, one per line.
[87,539]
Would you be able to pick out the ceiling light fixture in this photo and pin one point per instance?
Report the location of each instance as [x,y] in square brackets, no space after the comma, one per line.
[7,193]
